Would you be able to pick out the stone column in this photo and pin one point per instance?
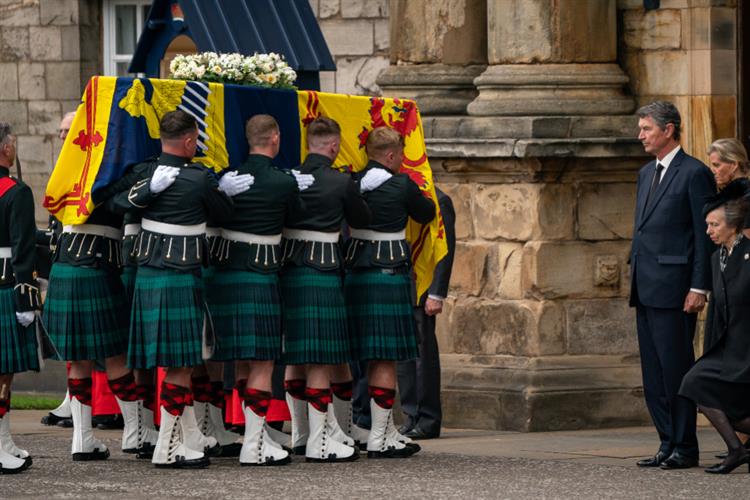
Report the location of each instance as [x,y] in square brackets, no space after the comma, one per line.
[438,47]
[551,58]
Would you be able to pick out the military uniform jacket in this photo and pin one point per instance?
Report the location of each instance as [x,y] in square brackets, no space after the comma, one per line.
[392,204]
[333,198]
[17,241]
[261,210]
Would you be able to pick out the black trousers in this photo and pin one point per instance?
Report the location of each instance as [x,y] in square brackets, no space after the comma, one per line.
[665,340]
[419,379]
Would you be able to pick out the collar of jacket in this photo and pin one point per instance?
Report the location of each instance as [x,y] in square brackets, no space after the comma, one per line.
[257,159]
[4,171]
[174,160]
[314,161]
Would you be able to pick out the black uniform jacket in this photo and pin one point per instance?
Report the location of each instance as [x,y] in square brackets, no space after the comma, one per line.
[392,204]
[731,293]
[18,232]
[333,197]
[261,210]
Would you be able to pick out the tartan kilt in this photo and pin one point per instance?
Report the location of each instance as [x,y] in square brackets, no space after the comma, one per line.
[18,347]
[315,324]
[86,313]
[246,311]
[128,282]
[381,315]
[167,319]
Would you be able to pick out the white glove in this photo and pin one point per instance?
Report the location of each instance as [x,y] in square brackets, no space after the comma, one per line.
[304,181]
[233,184]
[373,179]
[25,318]
[163,177]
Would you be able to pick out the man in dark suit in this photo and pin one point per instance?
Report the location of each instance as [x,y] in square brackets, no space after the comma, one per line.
[670,276]
[419,380]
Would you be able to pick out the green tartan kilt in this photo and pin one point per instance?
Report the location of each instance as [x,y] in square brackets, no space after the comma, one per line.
[381,315]
[315,324]
[246,311]
[18,347]
[86,313]
[167,319]
[128,281]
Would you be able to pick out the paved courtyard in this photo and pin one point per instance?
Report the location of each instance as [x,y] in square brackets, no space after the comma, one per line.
[463,464]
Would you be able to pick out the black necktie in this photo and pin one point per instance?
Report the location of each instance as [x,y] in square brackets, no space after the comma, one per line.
[655,182]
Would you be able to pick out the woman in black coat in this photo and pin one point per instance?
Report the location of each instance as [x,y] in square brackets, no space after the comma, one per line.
[719,383]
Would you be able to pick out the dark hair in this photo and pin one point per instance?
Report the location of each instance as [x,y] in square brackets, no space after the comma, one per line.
[662,112]
[735,213]
[323,127]
[259,129]
[176,124]
[5,132]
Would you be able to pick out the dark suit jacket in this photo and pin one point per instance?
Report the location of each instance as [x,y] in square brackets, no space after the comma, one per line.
[671,251]
[732,312]
[442,275]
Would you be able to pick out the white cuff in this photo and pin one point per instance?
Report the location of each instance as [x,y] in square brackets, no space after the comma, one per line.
[435,297]
[698,290]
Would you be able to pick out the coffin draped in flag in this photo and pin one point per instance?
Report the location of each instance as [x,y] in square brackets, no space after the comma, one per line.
[117,125]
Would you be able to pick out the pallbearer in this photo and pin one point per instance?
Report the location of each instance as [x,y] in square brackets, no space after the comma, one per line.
[379,284]
[19,294]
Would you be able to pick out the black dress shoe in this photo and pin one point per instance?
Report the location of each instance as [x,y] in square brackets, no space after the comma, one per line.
[419,433]
[734,459]
[66,423]
[725,454]
[679,461]
[52,419]
[407,427]
[108,422]
[654,461]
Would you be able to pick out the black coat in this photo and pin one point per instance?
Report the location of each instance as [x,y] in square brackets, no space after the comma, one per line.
[731,324]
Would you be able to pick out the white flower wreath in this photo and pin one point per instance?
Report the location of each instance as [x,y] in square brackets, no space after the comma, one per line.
[262,70]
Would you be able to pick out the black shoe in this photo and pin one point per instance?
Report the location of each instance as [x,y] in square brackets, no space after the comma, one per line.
[271,462]
[66,423]
[654,461]
[181,463]
[91,455]
[108,422]
[300,450]
[407,427]
[26,464]
[733,460]
[52,419]
[418,433]
[405,452]
[679,461]
[726,453]
[333,458]
[230,450]
[146,452]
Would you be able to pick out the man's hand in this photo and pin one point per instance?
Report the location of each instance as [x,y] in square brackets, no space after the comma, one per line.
[163,177]
[433,307]
[694,302]
[25,318]
[304,181]
[233,184]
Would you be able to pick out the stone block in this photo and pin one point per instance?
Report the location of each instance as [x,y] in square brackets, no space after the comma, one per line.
[461,196]
[15,113]
[470,268]
[556,209]
[328,8]
[19,13]
[31,81]
[351,37]
[658,72]
[368,74]
[553,270]
[664,4]
[724,115]
[723,28]
[347,70]
[600,327]
[35,152]
[507,270]
[364,8]
[605,211]
[9,81]
[14,44]
[71,50]
[46,43]
[44,117]
[315,6]
[63,80]
[328,81]
[59,12]
[659,29]
[382,34]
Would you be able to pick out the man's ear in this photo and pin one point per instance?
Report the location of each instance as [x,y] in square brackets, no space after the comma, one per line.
[669,130]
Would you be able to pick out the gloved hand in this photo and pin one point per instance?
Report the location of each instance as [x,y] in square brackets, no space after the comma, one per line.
[25,318]
[233,184]
[373,179]
[304,181]
[163,177]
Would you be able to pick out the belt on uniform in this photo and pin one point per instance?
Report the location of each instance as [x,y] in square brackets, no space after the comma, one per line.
[213,231]
[131,229]
[369,234]
[6,253]
[94,229]
[173,229]
[258,239]
[307,235]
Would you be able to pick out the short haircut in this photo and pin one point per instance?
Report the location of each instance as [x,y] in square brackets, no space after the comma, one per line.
[383,139]
[731,150]
[735,213]
[322,129]
[176,124]
[259,129]
[5,132]
[662,112]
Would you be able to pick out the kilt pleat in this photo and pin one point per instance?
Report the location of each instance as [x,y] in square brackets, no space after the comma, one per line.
[246,310]
[18,347]
[167,319]
[381,315]
[86,313]
[128,282]
[314,312]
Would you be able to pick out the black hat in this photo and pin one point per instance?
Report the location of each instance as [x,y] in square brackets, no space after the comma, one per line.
[735,189]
